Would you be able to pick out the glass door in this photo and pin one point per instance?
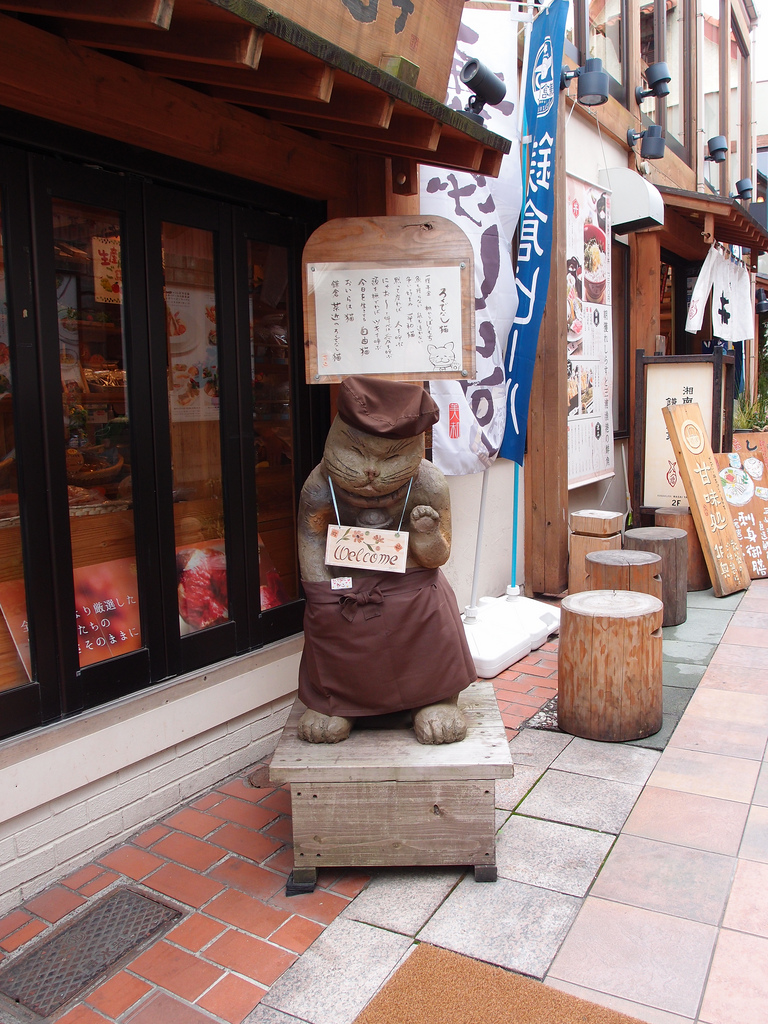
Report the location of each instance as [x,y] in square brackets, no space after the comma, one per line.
[189,280]
[89,242]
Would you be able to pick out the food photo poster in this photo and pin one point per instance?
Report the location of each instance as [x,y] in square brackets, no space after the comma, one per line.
[589,332]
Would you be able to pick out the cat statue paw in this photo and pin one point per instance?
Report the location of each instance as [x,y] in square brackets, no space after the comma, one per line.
[440,723]
[378,642]
[315,727]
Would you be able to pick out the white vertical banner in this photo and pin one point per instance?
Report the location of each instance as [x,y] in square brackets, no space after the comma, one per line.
[467,437]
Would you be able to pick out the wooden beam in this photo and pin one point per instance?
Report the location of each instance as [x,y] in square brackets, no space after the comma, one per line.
[47,77]
[682,236]
[644,282]
[546,461]
[369,108]
[131,13]
[308,80]
[405,131]
[211,43]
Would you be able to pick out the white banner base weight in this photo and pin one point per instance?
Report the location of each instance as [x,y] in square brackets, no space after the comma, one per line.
[502,630]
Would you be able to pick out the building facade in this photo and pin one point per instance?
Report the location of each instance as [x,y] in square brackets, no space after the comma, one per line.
[160,171]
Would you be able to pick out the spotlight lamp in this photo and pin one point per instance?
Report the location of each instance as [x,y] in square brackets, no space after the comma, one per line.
[743,189]
[593,82]
[658,78]
[653,145]
[761,301]
[487,88]
[718,149]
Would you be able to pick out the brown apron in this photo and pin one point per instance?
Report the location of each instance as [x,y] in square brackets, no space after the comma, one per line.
[389,643]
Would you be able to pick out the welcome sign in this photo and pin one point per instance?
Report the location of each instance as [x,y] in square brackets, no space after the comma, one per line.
[357,548]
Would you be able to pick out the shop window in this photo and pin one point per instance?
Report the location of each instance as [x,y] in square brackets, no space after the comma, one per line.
[270,335]
[711,117]
[193,404]
[597,28]
[738,88]
[155,491]
[91,353]
[665,29]
[605,35]
[15,667]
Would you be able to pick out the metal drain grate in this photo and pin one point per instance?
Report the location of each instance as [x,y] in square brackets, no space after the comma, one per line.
[61,967]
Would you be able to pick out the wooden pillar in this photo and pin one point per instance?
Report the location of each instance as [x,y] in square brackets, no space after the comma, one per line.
[644,281]
[546,460]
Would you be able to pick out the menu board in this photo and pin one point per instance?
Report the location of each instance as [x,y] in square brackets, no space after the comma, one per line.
[392,297]
[589,332]
[378,320]
[669,384]
[745,485]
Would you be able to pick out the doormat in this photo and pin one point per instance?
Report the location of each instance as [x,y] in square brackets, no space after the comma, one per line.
[545,717]
[435,986]
[63,966]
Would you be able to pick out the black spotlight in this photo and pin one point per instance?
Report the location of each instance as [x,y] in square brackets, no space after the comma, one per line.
[718,149]
[658,78]
[487,88]
[761,301]
[593,82]
[654,144]
[743,189]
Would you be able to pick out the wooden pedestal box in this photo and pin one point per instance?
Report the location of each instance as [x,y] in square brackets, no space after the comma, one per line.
[591,530]
[382,798]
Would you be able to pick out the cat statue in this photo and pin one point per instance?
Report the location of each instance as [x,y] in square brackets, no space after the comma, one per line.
[378,642]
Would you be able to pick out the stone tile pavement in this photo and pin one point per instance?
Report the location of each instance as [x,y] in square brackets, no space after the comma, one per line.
[632,874]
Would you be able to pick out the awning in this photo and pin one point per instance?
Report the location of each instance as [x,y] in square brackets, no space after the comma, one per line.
[265,64]
[696,219]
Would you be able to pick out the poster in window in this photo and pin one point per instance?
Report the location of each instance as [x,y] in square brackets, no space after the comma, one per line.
[107,269]
[193,355]
[589,333]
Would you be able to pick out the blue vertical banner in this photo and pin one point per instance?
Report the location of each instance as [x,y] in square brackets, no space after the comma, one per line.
[542,91]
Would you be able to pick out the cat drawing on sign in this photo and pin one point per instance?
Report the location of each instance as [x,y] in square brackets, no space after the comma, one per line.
[672,473]
[441,356]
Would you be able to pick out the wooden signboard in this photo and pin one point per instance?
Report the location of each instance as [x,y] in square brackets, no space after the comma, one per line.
[745,484]
[420,32]
[749,443]
[706,498]
[390,297]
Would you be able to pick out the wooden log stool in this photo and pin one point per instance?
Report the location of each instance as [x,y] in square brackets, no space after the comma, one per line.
[609,665]
[638,571]
[591,530]
[680,518]
[672,545]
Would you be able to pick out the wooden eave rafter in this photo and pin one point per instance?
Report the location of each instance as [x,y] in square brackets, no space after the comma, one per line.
[241,53]
[729,222]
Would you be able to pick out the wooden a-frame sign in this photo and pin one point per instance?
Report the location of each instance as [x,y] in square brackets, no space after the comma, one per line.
[390,297]
[709,508]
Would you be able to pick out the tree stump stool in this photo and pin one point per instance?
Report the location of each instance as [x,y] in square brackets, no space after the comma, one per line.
[680,518]
[609,665]
[638,571]
[672,545]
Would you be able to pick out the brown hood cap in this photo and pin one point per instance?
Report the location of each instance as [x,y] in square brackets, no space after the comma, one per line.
[386,408]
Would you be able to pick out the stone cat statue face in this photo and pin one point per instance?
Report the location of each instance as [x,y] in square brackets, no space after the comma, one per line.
[370,472]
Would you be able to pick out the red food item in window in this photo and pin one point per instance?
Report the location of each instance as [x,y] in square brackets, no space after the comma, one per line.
[203,588]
